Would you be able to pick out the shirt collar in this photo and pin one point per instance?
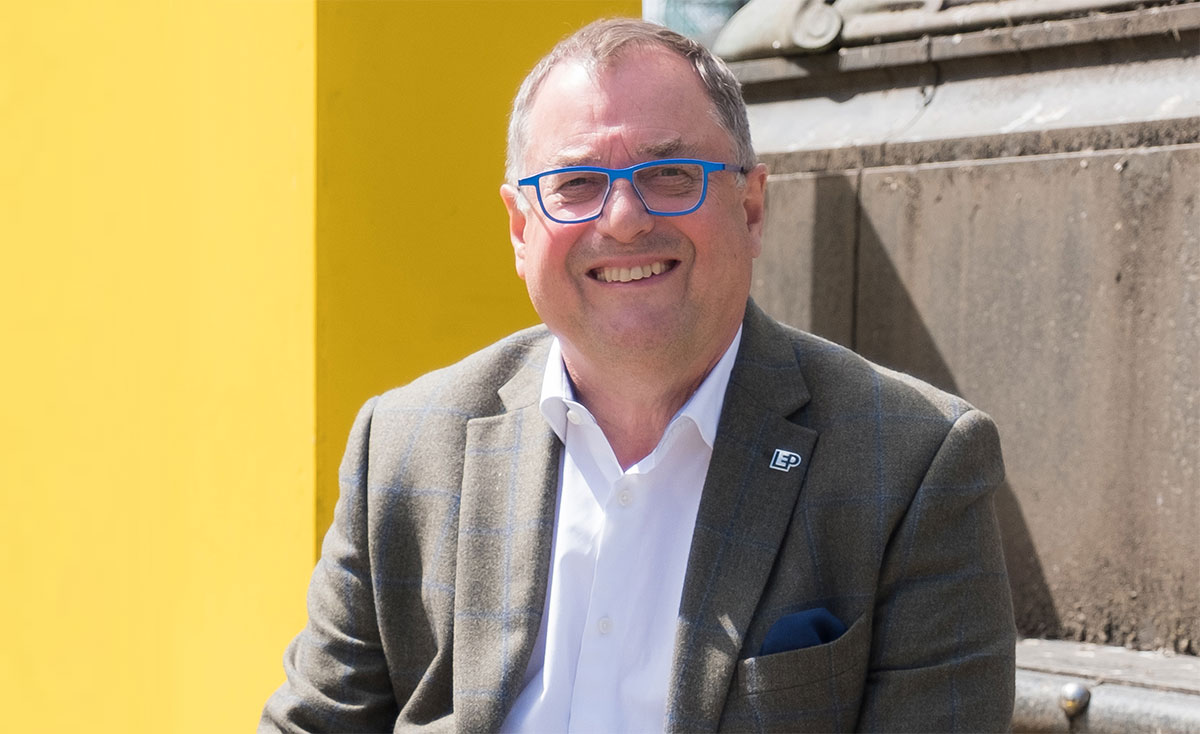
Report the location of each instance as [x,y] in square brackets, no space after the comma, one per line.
[556,391]
[703,408]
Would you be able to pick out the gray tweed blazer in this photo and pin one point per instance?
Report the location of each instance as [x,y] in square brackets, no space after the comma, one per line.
[426,602]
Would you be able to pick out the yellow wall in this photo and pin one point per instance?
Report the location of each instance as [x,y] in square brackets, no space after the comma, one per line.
[191,292]
[156,311]
[413,272]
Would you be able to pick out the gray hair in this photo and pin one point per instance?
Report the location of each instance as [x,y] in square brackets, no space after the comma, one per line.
[598,45]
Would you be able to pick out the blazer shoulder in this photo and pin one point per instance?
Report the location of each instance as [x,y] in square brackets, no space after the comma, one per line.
[471,386]
[419,431]
[842,380]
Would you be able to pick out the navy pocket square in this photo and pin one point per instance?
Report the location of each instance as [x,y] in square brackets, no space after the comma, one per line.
[802,629]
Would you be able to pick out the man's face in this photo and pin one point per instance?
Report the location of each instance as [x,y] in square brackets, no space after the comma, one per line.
[648,105]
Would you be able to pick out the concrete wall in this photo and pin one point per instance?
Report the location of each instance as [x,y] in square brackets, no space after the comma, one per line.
[1051,275]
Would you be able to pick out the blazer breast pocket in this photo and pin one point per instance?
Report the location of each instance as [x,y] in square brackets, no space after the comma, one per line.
[815,688]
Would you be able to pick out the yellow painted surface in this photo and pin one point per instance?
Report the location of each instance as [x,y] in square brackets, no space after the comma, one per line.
[414,265]
[195,285]
[157,373]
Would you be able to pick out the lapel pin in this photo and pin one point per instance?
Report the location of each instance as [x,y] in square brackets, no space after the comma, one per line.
[784,460]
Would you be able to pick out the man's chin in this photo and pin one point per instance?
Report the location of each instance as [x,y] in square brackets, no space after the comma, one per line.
[641,336]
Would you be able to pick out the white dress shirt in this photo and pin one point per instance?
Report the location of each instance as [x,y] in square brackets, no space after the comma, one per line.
[602,661]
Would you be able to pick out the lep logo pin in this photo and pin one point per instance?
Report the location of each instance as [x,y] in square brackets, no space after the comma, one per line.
[784,460]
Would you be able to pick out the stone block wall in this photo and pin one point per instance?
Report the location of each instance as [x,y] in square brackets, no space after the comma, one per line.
[1047,270]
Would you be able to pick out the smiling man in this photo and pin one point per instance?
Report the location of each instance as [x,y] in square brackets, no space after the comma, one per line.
[661,510]
[636,347]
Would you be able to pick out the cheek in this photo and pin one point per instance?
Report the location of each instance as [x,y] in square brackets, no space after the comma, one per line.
[730,233]
[541,263]
[554,247]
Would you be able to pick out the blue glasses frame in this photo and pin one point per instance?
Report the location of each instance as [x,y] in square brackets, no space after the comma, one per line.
[616,174]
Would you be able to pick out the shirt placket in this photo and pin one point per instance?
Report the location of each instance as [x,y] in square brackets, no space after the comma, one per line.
[609,629]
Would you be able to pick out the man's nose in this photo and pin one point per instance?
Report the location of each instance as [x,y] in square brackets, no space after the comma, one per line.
[624,217]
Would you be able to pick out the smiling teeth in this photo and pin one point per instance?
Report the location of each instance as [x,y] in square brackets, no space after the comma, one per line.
[624,275]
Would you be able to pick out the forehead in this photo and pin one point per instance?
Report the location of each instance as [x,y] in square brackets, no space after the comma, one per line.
[646,104]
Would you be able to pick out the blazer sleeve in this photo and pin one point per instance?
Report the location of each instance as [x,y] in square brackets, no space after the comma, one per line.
[943,656]
[337,675]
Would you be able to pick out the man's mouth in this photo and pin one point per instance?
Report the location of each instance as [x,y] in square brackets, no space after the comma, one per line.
[637,272]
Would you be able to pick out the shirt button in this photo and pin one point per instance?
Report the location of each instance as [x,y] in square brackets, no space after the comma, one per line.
[625,497]
[604,625]
[574,417]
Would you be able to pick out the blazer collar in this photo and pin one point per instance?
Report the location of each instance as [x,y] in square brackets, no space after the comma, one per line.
[748,500]
[767,368]
[509,493]
[506,525]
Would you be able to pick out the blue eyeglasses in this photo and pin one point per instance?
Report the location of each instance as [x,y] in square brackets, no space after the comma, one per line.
[667,188]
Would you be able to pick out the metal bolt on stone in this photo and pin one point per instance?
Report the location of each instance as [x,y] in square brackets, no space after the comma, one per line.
[1073,698]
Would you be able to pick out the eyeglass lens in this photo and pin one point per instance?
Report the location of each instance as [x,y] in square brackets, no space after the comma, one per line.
[666,188]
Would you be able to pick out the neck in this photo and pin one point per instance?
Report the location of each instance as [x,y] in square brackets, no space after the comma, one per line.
[633,402]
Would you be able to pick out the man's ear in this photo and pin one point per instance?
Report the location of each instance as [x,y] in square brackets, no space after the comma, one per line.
[754,204]
[517,218]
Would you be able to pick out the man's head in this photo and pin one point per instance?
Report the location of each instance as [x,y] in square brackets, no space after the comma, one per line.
[600,44]
[630,287]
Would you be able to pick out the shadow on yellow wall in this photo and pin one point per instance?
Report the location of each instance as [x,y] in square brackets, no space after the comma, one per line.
[414,266]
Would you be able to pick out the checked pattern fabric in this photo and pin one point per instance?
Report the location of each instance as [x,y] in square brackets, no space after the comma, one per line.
[425,605]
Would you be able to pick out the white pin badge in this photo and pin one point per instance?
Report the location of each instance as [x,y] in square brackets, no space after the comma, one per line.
[784,460]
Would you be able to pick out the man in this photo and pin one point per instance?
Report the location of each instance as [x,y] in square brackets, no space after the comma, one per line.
[661,510]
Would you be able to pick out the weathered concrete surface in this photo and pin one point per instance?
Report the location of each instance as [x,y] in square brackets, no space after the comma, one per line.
[812,104]
[776,28]
[1036,709]
[806,271]
[1111,664]
[1114,708]
[1061,294]
[1128,690]
[1013,216]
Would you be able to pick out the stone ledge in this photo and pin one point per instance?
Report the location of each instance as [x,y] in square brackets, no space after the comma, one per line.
[1130,691]
[1110,664]
[1019,39]
[1096,96]
[1114,708]
[1147,134]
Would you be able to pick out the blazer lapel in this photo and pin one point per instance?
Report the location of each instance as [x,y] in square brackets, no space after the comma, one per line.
[510,480]
[749,496]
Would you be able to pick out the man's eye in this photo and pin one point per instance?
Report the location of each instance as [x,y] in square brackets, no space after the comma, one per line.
[670,180]
[669,171]
[576,183]
[577,187]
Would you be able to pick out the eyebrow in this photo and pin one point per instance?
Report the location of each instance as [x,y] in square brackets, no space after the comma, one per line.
[673,148]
